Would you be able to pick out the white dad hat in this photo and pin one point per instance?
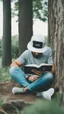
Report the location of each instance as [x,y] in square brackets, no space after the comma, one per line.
[37,44]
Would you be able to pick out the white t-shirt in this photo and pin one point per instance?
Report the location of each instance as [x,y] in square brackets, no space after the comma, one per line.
[27,58]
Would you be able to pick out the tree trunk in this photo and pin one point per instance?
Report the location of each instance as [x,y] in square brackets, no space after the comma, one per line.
[6,55]
[25,23]
[56,25]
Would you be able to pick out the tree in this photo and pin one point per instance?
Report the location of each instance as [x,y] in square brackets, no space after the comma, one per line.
[6,54]
[40,9]
[26,11]
[56,25]
[25,23]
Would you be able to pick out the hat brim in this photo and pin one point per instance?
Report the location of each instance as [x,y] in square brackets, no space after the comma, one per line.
[31,48]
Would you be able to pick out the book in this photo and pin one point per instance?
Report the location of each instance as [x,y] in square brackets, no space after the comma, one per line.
[42,67]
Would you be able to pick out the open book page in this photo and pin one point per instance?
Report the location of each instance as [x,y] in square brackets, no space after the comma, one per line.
[42,67]
[44,64]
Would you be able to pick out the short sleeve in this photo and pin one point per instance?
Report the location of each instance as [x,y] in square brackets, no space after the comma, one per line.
[50,59]
[23,57]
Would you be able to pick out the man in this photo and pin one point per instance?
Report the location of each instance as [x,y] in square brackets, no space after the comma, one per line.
[37,53]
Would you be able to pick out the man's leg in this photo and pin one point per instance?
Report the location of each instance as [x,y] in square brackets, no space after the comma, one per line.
[19,76]
[41,84]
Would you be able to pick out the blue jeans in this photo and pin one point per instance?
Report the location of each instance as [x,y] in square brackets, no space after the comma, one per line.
[41,84]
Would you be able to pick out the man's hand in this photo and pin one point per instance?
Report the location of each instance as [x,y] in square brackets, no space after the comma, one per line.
[39,73]
[32,78]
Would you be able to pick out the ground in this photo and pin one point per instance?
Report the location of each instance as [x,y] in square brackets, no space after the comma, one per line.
[14,104]
[14,101]
[6,90]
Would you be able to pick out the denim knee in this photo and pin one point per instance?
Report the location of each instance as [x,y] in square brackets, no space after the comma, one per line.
[12,70]
[49,76]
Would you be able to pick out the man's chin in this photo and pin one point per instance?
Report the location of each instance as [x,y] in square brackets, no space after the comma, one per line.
[37,56]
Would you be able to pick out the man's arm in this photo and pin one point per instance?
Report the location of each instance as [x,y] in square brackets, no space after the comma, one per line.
[53,69]
[20,60]
[16,63]
[50,60]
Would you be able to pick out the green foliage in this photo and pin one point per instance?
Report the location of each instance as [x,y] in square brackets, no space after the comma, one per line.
[14,47]
[44,107]
[40,9]
[15,10]
[4,74]
[2,101]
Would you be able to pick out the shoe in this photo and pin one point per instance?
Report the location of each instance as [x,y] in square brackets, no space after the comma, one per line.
[46,94]
[16,90]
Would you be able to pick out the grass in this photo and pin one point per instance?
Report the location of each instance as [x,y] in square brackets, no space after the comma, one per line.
[4,73]
[44,107]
